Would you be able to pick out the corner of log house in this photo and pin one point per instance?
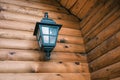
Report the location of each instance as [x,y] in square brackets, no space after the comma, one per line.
[88,44]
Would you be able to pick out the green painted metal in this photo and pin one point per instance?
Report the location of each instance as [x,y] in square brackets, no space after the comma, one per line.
[46,33]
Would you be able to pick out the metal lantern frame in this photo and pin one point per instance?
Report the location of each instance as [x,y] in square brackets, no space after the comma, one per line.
[46,33]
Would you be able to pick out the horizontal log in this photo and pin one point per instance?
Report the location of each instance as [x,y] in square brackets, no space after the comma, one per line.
[36,5]
[103,35]
[106,21]
[16,34]
[107,59]
[70,3]
[86,7]
[106,46]
[77,6]
[50,2]
[8,24]
[92,12]
[99,16]
[118,78]
[27,44]
[69,31]
[42,67]
[32,55]
[70,39]
[107,72]
[44,76]
[25,35]
[36,11]
[63,2]
[7,15]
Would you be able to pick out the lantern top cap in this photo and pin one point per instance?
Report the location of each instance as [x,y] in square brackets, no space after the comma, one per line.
[46,21]
[46,15]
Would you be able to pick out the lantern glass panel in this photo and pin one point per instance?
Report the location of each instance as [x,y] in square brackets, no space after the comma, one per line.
[46,39]
[52,39]
[53,31]
[45,30]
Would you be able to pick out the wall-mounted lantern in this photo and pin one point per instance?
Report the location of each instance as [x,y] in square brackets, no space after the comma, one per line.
[46,33]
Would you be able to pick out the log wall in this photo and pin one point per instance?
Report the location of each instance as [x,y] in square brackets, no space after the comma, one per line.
[20,57]
[100,27]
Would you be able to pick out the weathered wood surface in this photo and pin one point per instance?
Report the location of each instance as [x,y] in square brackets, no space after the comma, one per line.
[106,21]
[92,12]
[42,67]
[44,76]
[100,30]
[107,59]
[77,6]
[100,14]
[25,35]
[107,73]
[87,6]
[49,2]
[36,5]
[103,35]
[106,46]
[63,2]
[33,55]
[25,26]
[27,44]
[20,56]
[118,78]
[36,11]
[70,3]
[7,15]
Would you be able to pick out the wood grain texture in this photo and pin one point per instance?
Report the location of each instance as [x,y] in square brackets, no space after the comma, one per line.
[77,6]
[63,2]
[70,3]
[34,55]
[110,72]
[44,76]
[118,78]
[106,46]
[49,2]
[42,67]
[26,35]
[100,29]
[96,18]
[87,6]
[106,21]
[103,35]
[107,59]
[7,15]
[36,11]
[92,12]
[28,45]
[20,56]
[26,26]
[36,5]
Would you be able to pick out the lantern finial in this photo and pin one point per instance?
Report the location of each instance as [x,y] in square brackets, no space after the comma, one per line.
[46,15]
